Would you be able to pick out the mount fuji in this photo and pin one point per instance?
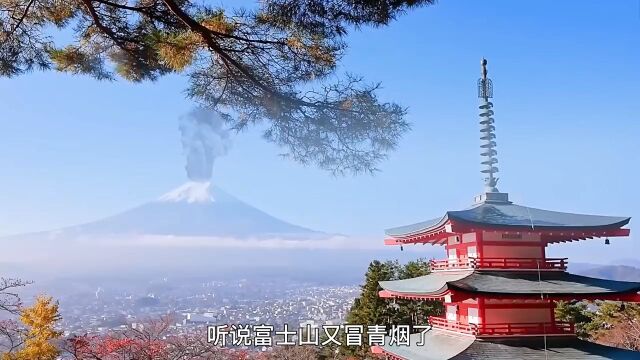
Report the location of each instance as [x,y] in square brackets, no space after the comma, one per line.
[195,227]
[193,230]
[195,209]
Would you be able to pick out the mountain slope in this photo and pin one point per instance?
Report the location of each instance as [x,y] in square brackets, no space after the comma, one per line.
[611,272]
[193,209]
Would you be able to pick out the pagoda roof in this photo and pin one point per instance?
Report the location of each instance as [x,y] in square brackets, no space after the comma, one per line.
[442,344]
[431,284]
[557,283]
[438,344]
[507,214]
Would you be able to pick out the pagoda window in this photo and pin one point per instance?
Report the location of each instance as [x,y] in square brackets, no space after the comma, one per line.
[472,316]
[472,252]
[453,255]
[452,313]
[469,237]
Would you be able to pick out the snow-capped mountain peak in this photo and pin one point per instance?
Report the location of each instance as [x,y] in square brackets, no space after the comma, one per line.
[190,192]
[195,209]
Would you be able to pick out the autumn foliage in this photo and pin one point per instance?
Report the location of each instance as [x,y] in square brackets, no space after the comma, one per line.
[153,341]
[120,347]
[40,320]
[606,322]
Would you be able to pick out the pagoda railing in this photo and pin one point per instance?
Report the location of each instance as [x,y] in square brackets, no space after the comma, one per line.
[500,263]
[555,328]
[443,323]
[504,329]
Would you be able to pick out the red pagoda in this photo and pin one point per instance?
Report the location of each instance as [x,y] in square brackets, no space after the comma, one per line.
[497,286]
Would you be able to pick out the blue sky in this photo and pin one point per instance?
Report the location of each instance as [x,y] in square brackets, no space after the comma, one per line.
[567,90]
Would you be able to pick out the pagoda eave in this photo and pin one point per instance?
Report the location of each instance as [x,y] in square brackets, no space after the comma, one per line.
[456,295]
[509,217]
[434,238]
[548,235]
[511,285]
[388,294]
[437,344]
[632,296]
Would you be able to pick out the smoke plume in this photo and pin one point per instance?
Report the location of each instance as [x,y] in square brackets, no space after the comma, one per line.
[204,138]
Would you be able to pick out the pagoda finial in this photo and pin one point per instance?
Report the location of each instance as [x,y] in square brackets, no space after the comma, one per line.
[488,144]
[484,68]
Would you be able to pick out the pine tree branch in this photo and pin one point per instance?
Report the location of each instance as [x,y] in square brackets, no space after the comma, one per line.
[140,9]
[214,46]
[21,19]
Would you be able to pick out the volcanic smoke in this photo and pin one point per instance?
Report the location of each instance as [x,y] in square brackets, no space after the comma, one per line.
[204,138]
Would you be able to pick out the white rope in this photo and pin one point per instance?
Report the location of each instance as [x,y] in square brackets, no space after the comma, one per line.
[530,218]
[544,326]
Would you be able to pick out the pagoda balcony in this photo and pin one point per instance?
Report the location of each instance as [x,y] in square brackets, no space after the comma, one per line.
[504,329]
[500,264]
[442,323]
